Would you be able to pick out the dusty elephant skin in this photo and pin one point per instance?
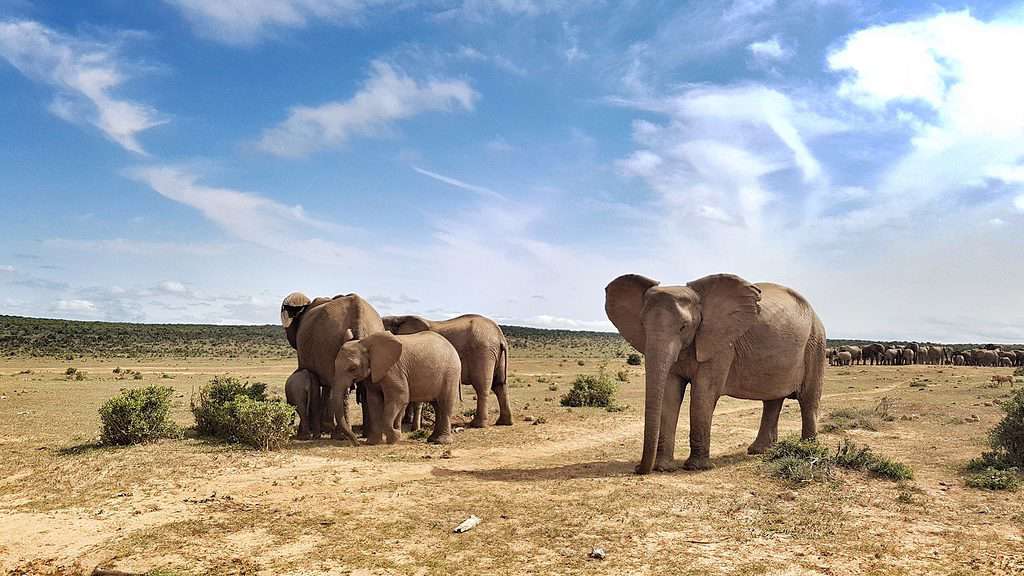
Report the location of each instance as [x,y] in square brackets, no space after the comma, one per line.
[483,351]
[724,336]
[401,369]
[298,390]
[317,329]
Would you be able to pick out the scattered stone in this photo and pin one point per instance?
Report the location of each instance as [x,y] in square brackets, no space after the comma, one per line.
[540,420]
[972,418]
[458,430]
[788,495]
[528,418]
[447,454]
[467,524]
[597,554]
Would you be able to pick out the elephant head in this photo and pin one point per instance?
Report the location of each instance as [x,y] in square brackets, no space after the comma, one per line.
[370,357]
[708,314]
[405,324]
[292,307]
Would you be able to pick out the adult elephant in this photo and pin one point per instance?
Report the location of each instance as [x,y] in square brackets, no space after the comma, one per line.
[958,359]
[844,358]
[1020,357]
[317,329]
[917,352]
[907,356]
[873,353]
[856,354]
[724,336]
[1010,356]
[483,351]
[892,356]
[986,358]
[934,354]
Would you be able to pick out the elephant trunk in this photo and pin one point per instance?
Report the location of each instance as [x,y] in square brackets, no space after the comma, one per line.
[659,362]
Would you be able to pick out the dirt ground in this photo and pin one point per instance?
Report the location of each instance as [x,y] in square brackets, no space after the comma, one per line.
[547,493]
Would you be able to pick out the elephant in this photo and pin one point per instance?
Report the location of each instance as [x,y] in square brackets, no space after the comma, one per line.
[484,352]
[298,391]
[873,353]
[917,352]
[1020,357]
[958,359]
[1007,355]
[856,354]
[420,367]
[986,358]
[1005,362]
[723,336]
[907,356]
[892,356]
[844,358]
[934,354]
[317,329]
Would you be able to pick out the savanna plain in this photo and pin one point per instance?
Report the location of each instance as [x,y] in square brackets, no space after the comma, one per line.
[549,489]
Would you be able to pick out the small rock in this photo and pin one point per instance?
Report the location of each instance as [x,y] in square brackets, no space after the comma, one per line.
[597,554]
[528,418]
[467,524]
[788,495]
[447,454]
[458,430]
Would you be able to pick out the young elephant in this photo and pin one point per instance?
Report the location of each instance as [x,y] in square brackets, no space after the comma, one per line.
[420,367]
[298,391]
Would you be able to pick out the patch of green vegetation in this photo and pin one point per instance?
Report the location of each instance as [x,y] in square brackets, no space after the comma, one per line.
[137,415]
[999,468]
[234,411]
[854,457]
[803,461]
[992,478]
[634,359]
[591,390]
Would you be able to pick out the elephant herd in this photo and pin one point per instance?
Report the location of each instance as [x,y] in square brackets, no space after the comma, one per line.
[915,353]
[395,364]
[718,335]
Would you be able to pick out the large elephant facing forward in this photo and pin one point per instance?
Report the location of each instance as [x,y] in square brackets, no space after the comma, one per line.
[317,329]
[724,336]
[484,353]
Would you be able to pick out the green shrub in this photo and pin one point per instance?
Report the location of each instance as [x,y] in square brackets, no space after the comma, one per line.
[263,424]
[992,478]
[137,415]
[633,359]
[622,376]
[794,447]
[591,390]
[802,461]
[1007,438]
[240,412]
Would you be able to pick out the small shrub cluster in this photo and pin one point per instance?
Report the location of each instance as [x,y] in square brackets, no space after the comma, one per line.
[633,359]
[240,412]
[860,418]
[622,376]
[75,374]
[591,390]
[138,415]
[123,373]
[803,461]
[999,468]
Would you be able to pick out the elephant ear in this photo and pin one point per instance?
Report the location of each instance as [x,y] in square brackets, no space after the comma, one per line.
[384,349]
[624,304]
[729,306]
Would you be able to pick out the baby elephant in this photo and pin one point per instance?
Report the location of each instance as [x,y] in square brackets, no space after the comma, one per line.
[297,391]
[420,367]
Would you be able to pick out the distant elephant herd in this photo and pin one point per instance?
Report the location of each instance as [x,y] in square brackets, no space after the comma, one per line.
[394,364]
[915,353]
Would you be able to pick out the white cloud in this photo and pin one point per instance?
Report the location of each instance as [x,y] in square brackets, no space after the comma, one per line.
[481,190]
[1019,202]
[85,73]
[6,268]
[387,95]
[136,247]
[172,287]
[247,216]
[769,50]
[499,145]
[75,306]
[249,21]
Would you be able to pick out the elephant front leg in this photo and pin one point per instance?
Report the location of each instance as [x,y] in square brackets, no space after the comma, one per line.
[703,399]
[664,460]
[394,408]
[768,433]
[373,414]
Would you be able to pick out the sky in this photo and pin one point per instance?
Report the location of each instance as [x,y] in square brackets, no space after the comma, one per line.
[193,161]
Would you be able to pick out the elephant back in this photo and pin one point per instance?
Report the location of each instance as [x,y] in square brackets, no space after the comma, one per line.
[471,332]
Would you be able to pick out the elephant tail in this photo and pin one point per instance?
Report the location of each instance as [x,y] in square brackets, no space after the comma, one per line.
[501,367]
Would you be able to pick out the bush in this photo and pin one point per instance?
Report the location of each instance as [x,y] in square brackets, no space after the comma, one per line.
[633,359]
[622,376]
[804,461]
[591,390]
[263,424]
[137,415]
[992,478]
[240,412]
[1007,438]
[854,457]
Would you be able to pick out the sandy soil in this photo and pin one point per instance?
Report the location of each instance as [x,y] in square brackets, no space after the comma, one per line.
[547,493]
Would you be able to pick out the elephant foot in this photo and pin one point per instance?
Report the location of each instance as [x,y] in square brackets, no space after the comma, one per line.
[504,420]
[304,436]
[698,463]
[440,439]
[479,423]
[668,466]
[759,447]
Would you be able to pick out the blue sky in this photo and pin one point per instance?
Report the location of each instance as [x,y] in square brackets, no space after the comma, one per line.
[192,161]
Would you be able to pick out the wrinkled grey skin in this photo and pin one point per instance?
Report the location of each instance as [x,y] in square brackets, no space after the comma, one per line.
[721,335]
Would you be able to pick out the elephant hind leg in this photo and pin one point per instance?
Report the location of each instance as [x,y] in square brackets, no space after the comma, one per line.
[481,374]
[814,381]
[768,433]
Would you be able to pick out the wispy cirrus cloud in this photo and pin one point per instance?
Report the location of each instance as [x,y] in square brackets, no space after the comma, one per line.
[246,22]
[388,95]
[480,190]
[85,74]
